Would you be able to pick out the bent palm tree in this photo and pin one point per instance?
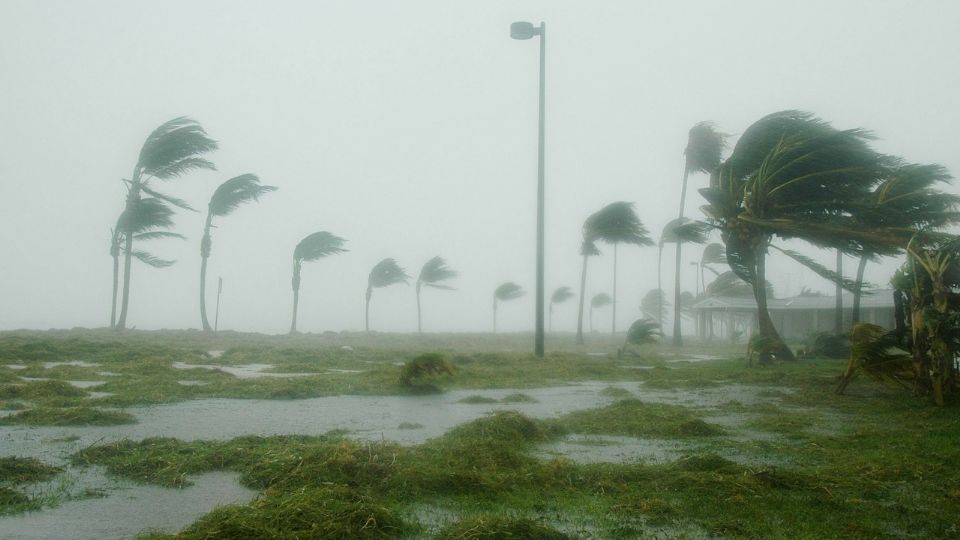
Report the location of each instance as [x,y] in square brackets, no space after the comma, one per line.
[587,249]
[385,273]
[616,224]
[504,293]
[679,231]
[315,246]
[146,219]
[227,198]
[172,150]
[432,274]
[599,300]
[559,296]
[792,176]
[642,332]
[652,304]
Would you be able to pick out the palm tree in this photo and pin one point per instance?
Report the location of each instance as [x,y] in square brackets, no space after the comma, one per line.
[172,150]
[653,303]
[432,274]
[146,219]
[599,300]
[712,254]
[385,273]
[792,175]
[641,332]
[679,231]
[505,292]
[587,249]
[561,295]
[227,198]
[315,246]
[616,223]
[906,197]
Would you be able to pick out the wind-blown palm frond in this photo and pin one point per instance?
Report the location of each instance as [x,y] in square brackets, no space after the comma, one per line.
[879,354]
[235,192]
[821,270]
[434,271]
[179,203]
[144,215]
[385,273]
[704,146]
[173,149]
[562,294]
[151,260]
[600,300]
[318,245]
[714,254]
[158,235]
[685,231]
[588,248]
[729,284]
[617,223]
[508,291]
[651,302]
[643,332]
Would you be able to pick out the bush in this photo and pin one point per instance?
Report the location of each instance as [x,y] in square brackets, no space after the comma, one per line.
[419,373]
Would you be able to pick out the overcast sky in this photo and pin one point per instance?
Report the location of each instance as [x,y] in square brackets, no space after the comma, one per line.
[410,129]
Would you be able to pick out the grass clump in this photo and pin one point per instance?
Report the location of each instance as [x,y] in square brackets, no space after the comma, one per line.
[635,418]
[69,416]
[18,470]
[40,390]
[517,398]
[421,373]
[477,400]
[410,425]
[615,392]
[492,527]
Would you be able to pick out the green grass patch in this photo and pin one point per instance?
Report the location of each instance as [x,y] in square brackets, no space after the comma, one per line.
[636,418]
[517,398]
[70,416]
[615,392]
[19,470]
[492,527]
[477,400]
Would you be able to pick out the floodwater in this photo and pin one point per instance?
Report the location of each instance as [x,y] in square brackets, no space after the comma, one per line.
[127,509]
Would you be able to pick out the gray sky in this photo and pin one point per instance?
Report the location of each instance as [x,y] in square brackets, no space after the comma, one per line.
[409,128]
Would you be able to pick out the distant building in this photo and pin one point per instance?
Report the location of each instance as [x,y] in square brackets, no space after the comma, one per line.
[795,318]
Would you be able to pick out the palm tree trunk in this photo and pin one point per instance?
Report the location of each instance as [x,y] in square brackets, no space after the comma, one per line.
[613,322]
[583,290]
[677,337]
[204,255]
[295,283]
[660,286]
[367,311]
[419,325]
[765,326]
[133,197]
[116,281]
[838,314]
[683,190]
[858,290]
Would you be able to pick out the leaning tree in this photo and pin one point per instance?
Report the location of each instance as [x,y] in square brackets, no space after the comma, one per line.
[559,296]
[433,274]
[679,231]
[587,249]
[385,273]
[504,293]
[172,150]
[229,196]
[314,247]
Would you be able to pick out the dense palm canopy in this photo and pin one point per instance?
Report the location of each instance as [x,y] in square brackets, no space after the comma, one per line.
[559,296]
[229,196]
[643,332]
[616,223]
[170,151]
[385,273]
[792,175]
[433,274]
[314,247]
[504,293]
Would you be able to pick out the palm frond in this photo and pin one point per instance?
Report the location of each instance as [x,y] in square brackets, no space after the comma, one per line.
[651,302]
[600,300]
[588,248]
[617,223]
[158,235]
[561,295]
[821,270]
[879,354]
[179,203]
[704,146]
[235,192]
[385,273]
[143,215]
[174,149]
[508,291]
[730,285]
[434,271]
[714,254]
[318,245]
[643,332]
[151,260]
[685,231]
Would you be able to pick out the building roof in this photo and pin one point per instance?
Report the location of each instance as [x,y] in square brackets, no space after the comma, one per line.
[876,298]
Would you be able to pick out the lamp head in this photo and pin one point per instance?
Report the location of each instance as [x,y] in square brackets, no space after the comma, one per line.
[523,30]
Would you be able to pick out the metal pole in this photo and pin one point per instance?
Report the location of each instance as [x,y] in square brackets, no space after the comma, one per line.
[216,319]
[538,345]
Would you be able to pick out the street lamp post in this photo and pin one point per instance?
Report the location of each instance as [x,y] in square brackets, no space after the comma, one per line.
[526,30]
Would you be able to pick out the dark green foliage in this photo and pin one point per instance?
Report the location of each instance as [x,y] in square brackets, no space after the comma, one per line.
[318,245]
[436,271]
[173,149]
[70,416]
[636,418]
[828,345]
[685,231]
[643,332]
[18,470]
[492,527]
[40,390]
[236,191]
[422,371]
[616,223]
[385,273]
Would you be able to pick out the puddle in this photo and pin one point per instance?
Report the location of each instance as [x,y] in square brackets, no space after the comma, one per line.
[34,379]
[246,371]
[697,357]
[215,354]
[75,363]
[612,449]
[598,354]
[130,509]
[636,367]
[16,366]
[98,395]
[347,371]
[109,374]
[193,383]
[85,384]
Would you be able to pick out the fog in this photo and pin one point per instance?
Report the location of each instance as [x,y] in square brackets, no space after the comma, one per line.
[410,129]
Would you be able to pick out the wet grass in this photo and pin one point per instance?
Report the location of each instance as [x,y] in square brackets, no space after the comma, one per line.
[635,418]
[16,472]
[68,416]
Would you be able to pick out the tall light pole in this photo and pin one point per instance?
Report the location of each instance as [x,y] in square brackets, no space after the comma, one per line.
[526,30]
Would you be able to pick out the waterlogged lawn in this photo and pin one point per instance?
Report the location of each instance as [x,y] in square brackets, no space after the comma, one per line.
[684,448]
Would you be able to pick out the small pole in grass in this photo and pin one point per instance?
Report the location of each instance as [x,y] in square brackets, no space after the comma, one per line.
[216,320]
